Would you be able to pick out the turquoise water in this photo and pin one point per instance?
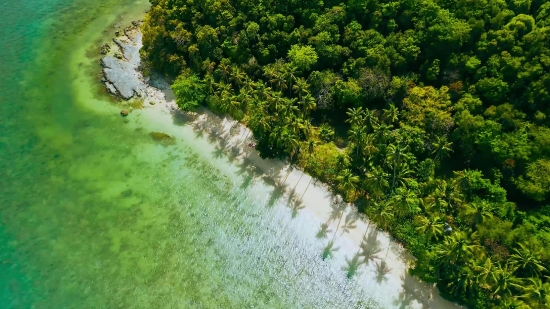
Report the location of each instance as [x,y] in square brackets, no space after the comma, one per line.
[96,214]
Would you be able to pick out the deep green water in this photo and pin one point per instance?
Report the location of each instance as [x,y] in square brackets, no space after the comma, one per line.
[95,214]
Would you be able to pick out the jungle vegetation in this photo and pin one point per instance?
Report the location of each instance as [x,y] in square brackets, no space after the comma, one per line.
[431,115]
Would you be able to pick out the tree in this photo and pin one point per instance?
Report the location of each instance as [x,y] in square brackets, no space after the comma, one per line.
[356,116]
[527,260]
[190,92]
[432,227]
[536,293]
[455,249]
[376,181]
[506,282]
[303,57]
[441,147]
[478,212]
[347,183]
[405,202]
[390,115]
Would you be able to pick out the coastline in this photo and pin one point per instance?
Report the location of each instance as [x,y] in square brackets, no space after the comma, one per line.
[232,140]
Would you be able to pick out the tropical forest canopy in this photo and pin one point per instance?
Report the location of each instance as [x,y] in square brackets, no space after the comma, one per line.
[432,115]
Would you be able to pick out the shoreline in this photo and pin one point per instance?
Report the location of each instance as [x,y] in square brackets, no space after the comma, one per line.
[232,139]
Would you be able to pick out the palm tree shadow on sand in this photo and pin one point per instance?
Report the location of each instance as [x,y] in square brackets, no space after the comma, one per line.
[352,265]
[370,247]
[382,270]
[409,293]
[323,231]
[296,206]
[218,152]
[329,250]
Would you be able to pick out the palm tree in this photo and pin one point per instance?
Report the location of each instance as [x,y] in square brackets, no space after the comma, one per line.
[208,66]
[461,281]
[286,140]
[382,214]
[301,87]
[505,282]
[260,120]
[376,181]
[396,155]
[356,116]
[357,136]
[455,249]
[290,73]
[431,227]
[371,120]
[280,81]
[478,212]
[347,182]
[237,75]
[404,202]
[308,103]
[511,303]
[435,201]
[270,72]
[527,260]
[441,147]
[224,70]
[402,176]
[486,272]
[391,114]
[536,292]
[369,148]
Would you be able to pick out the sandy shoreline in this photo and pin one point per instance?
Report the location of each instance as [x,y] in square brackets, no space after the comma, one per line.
[232,139]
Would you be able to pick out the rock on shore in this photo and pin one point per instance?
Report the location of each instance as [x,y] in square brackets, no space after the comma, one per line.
[122,75]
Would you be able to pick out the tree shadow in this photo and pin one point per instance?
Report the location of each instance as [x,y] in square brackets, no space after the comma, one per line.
[350,222]
[323,231]
[410,292]
[212,135]
[328,250]
[233,154]
[297,205]
[180,118]
[370,247]
[338,207]
[275,195]
[352,265]
[218,152]
[382,269]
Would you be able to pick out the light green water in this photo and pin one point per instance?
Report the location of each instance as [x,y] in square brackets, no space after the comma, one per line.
[95,214]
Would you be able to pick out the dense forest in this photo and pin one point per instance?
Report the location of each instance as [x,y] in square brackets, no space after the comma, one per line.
[431,115]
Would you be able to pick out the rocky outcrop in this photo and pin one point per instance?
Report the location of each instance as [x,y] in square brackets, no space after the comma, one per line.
[121,73]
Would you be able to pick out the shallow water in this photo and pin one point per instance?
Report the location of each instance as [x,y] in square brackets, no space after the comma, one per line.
[95,214]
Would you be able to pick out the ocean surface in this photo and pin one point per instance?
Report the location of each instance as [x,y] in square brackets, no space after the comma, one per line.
[96,214]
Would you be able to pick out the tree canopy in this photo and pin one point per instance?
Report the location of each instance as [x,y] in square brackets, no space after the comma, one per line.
[434,113]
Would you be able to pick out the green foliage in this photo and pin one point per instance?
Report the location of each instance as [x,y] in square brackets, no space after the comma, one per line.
[440,110]
[302,57]
[190,92]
